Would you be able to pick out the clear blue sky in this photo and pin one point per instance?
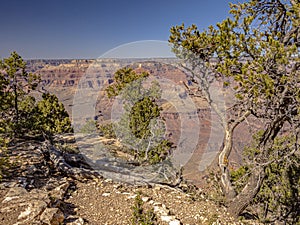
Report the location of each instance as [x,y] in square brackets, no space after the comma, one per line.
[89,28]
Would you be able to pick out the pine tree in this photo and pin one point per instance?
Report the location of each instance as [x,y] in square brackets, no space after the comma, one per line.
[141,127]
[15,86]
[51,116]
[255,53]
[20,112]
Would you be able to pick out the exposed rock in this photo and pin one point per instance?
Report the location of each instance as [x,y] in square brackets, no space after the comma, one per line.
[164,213]
[78,221]
[106,194]
[52,216]
[59,192]
[145,199]
[167,219]
[33,210]
[174,222]
[38,206]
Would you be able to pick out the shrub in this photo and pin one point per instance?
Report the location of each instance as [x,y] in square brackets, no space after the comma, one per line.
[139,215]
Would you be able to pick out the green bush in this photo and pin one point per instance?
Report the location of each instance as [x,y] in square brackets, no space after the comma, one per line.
[107,130]
[4,159]
[90,127]
[19,110]
[51,116]
[141,127]
[279,195]
[139,215]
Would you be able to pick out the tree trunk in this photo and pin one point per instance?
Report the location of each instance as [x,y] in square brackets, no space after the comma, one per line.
[16,102]
[223,163]
[244,198]
[227,187]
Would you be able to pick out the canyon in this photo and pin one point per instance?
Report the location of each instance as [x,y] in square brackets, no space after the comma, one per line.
[191,125]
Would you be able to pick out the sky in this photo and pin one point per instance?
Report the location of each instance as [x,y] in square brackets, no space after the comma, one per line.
[56,29]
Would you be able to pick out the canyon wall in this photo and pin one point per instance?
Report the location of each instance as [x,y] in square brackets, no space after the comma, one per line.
[65,77]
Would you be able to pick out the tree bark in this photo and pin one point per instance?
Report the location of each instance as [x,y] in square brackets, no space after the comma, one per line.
[227,187]
[243,199]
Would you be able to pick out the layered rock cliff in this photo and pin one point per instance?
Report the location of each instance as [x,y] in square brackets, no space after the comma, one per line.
[65,77]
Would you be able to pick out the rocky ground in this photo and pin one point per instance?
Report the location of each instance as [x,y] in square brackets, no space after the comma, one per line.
[35,191]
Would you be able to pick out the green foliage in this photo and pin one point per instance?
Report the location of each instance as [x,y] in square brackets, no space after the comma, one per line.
[159,152]
[239,177]
[4,159]
[122,78]
[279,195]
[15,85]
[255,54]
[142,112]
[140,127]
[253,59]
[140,216]
[90,127]
[51,116]
[20,112]
[107,130]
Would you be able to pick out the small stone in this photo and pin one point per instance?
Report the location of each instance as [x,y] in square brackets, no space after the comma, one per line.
[157,188]
[131,196]
[161,211]
[79,221]
[106,194]
[108,180]
[116,186]
[167,219]
[32,169]
[60,191]
[157,204]
[33,210]
[14,193]
[145,199]
[174,222]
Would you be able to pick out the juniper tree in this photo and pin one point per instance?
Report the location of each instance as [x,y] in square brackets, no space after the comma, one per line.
[140,128]
[15,85]
[51,116]
[256,56]
[20,111]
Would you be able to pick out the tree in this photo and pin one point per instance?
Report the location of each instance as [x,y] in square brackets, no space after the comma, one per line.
[140,128]
[51,116]
[255,53]
[20,112]
[4,160]
[15,85]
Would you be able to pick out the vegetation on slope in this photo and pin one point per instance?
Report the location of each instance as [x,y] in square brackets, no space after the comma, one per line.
[257,53]
[21,113]
[141,129]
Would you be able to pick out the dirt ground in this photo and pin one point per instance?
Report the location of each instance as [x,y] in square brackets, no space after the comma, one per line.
[101,201]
